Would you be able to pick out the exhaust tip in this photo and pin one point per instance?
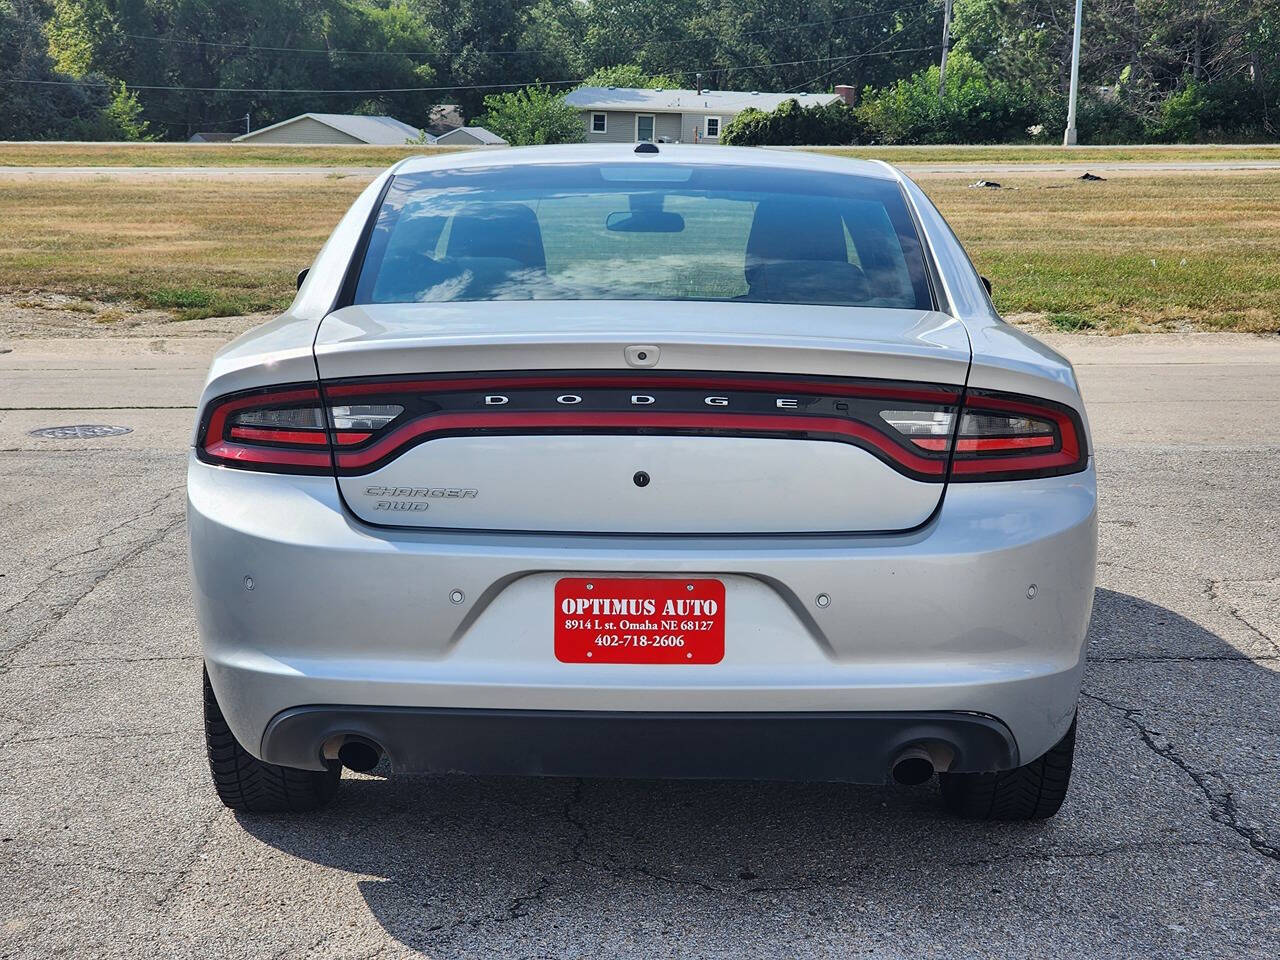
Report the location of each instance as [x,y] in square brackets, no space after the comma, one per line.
[359,755]
[913,767]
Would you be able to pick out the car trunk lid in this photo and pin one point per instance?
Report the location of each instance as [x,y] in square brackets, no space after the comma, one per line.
[641,417]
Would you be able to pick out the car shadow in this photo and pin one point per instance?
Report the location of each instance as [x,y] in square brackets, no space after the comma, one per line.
[445,857]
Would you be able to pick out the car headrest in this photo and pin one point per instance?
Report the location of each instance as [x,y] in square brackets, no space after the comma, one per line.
[794,229]
[507,231]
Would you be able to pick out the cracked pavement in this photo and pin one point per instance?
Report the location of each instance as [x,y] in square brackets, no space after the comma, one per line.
[113,845]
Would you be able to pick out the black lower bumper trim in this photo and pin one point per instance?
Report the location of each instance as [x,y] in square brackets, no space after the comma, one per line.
[848,747]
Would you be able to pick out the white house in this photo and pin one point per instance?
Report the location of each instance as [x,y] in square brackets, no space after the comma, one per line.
[334,128]
[630,115]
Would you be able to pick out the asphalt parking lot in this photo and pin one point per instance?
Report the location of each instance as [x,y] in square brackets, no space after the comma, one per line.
[112,843]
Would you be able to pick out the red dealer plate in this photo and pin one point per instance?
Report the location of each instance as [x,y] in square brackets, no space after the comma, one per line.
[639,621]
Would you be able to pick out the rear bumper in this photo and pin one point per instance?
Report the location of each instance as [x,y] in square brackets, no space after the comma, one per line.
[852,747]
[935,620]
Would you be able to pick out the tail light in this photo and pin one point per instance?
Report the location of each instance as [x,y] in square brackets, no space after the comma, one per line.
[285,429]
[917,429]
[1001,436]
[1006,436]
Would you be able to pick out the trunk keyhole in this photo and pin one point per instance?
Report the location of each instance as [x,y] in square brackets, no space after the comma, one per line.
[641,478]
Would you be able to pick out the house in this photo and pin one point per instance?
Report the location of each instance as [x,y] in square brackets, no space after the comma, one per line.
[211,136]
[471,136]
[334,128]
[629,115]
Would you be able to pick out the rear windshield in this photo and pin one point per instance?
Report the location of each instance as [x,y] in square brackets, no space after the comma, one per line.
[644,231]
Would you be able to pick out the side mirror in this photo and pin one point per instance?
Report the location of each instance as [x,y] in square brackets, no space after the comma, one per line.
[302,275]
[985,282]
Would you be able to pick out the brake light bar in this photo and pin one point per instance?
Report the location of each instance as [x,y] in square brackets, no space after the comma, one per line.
[924,431]
[669,403]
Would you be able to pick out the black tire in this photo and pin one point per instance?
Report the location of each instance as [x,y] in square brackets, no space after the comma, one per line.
[1034,791]
[246,783]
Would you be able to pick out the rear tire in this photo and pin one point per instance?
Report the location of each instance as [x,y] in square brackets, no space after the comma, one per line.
[1034,791]
[251,785]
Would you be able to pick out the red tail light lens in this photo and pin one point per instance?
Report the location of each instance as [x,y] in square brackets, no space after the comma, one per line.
[279,429]
[1011,437]
[284,429]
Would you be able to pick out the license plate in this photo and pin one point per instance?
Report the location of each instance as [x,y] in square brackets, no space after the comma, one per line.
[605,620]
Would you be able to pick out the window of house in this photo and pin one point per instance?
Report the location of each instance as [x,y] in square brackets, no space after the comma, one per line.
[644,127]
[599,123]
[713,128]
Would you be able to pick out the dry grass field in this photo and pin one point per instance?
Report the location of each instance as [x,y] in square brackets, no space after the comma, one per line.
[255,155]
[1185,251]
[15,154]
[1136,252]
[191,246]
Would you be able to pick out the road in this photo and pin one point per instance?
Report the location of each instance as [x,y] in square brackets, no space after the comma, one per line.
[113,845]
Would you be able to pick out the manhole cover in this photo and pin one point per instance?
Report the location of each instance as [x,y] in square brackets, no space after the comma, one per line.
[79,431]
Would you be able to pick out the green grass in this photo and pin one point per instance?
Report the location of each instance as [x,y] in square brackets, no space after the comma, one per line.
[1136,252]
[204,155]
[256,155]
[1069,322]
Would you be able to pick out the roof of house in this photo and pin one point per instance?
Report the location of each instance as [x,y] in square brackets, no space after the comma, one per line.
[211,136]
[708,101]
[480,133]
[444,117]
[383,130]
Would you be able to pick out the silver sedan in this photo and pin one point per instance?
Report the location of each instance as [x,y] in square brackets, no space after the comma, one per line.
[666,462]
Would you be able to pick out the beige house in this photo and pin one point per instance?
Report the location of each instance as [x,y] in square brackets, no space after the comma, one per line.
[334,128]
[471,136]
[630,115]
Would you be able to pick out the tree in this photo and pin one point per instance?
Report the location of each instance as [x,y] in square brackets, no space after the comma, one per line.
[630,75]
[36,101]
[1163,69]
[533,115]
[217,48]
[123,116]
[483,42]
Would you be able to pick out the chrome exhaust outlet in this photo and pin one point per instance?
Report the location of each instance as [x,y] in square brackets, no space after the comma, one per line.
[913,766]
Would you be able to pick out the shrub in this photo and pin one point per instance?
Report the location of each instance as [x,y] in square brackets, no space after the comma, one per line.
[533,115]
[791,125]
[975,108]
[1106,120]
[1224,110]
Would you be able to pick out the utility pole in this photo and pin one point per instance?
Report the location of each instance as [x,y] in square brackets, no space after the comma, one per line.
[246,123]
[946,44]
[1069,138]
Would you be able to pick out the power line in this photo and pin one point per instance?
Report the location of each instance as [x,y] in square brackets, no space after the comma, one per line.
[288,90]
[874,51]
[280,91]
[328,51]
[811,23]
[794,63]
